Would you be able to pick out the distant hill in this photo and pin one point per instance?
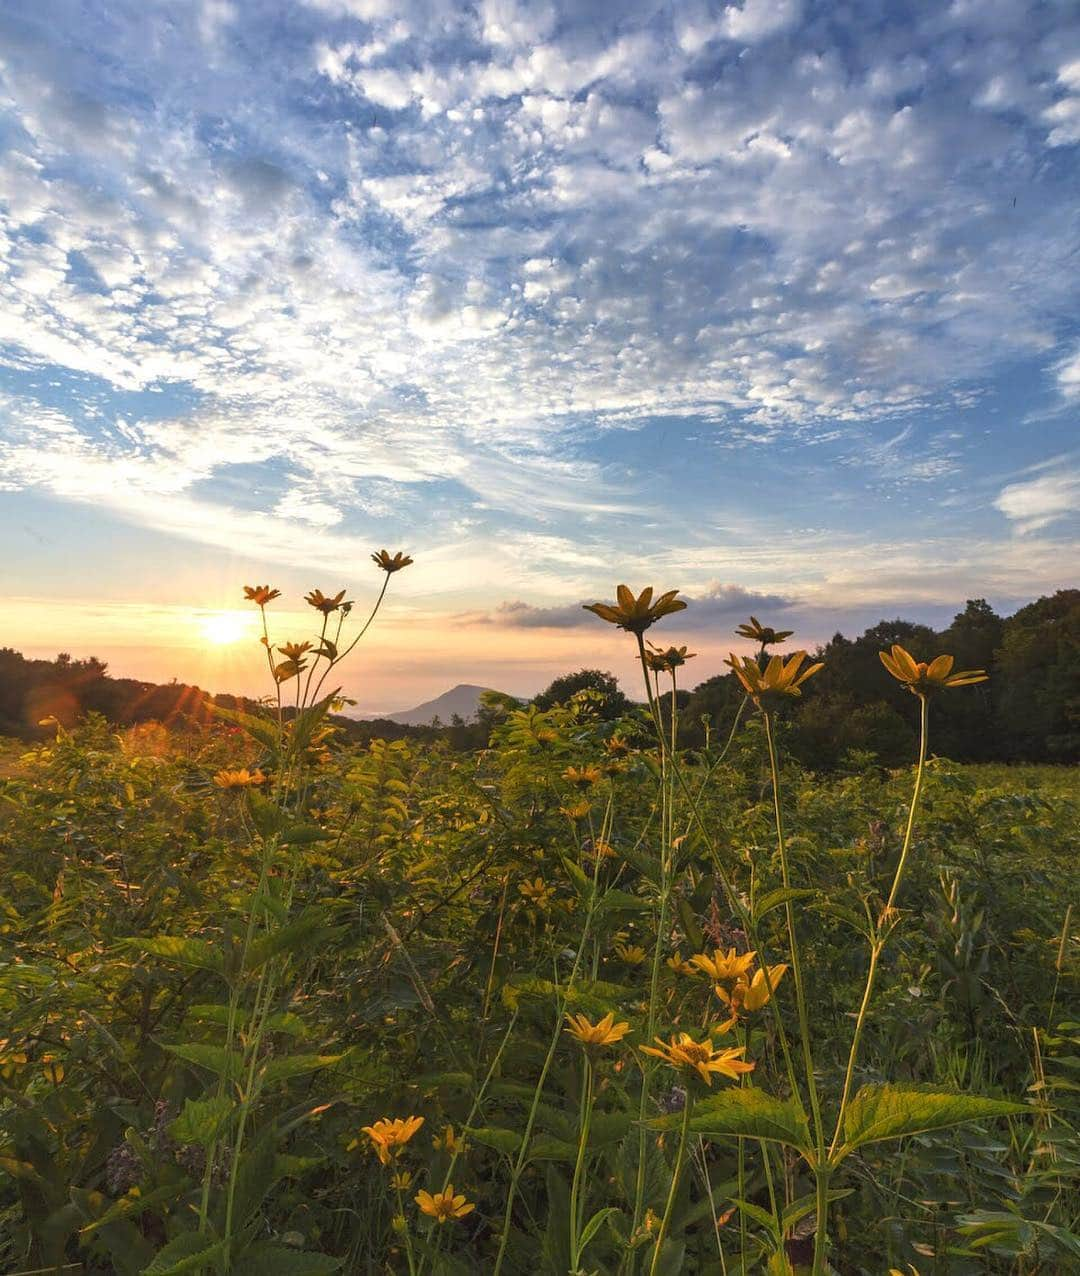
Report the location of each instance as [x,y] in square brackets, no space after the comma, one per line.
[462,700]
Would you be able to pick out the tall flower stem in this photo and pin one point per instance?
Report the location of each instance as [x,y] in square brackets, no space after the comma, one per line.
[667,762]
[800,993]
[577,1203]
[676,1175]
[877,944]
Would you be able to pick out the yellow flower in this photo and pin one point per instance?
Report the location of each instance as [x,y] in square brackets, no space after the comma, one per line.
[679,966]
[750,995]
[636,614]
[321,602]
[388,1136]
[261,594]
[401,1180]
[577,811]
[922,679]
[584,777]
[685,1054]
[779,680]
[606,1032]
[445,1204]
[664,660]
[763,635]
[240,779]
[632,954]
[724,966]
[294,662]
[453,1143]
[389,563]
[537,892]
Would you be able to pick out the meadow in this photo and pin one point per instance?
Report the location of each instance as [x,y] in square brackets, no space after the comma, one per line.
[583,1001]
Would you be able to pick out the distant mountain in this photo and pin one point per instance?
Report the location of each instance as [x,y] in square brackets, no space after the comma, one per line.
[464,700]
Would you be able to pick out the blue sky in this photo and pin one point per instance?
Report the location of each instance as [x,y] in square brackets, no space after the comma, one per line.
[775,302]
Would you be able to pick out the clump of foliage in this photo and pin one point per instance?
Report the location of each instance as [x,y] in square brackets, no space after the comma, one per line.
[580,1002]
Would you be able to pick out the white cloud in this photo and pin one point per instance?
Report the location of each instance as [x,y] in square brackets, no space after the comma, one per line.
[1033,504]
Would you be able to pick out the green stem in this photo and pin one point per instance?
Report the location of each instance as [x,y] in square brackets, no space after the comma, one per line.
[800,990]
[878,942]
[576,1200]
[676,1174]
[666,764]
[405,1231]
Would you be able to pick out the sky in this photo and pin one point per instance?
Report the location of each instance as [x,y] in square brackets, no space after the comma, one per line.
[773,302]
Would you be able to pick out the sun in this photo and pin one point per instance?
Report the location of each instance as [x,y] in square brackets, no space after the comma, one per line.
[224,627]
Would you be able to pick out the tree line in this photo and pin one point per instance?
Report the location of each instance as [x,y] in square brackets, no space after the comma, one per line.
[1028,711]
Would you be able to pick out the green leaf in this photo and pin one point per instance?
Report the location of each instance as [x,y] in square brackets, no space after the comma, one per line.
[507,1141]
[185,952]
[748,1112]
[261,729]
[546,1147]
[295,1065]
[694,936]
[202,1120]
[594,1225]
[880,1112]
[307,933]
[616,901]
[282,1260]
[782,895]
[304,834]
[188,1252]
[215,1058]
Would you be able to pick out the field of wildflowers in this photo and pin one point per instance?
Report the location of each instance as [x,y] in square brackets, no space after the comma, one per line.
[583,1002]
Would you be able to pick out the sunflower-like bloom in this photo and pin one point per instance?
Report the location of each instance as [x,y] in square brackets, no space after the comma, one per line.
[390,563]
[448,1140]
[632,954]
[239,779]
[401,1180]
[763,635]
[294,662]
[748,994]
[321,602]
[584,776]
[724,966]
[780,679]
[605,1032]
[685,1054]
[444,1205]
[261,594]
[635,615]
[923,679]
[536,892]
[388,1136]
[665,659]
[679,966]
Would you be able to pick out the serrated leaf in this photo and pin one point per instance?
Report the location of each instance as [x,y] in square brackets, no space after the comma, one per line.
[215,1058]
[546,1147]
[295,1065]
[616,901]
[182,950]
[746,1112]
[188,1252]
[507,1141]
[282,1260]
[782,895]
[261,729]
[880,1112]
[202,1120]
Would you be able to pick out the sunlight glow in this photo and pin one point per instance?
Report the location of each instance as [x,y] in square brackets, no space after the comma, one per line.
[224,627]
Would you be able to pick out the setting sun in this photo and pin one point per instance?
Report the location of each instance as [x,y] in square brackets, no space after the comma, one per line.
[224,627]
